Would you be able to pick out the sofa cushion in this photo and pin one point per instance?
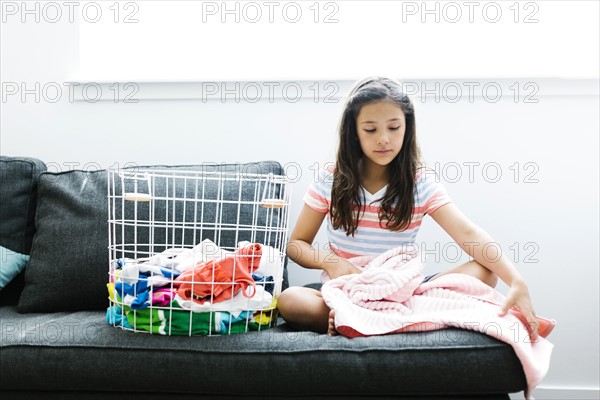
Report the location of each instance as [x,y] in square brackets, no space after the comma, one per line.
[69,264]
[10,294]
[80,351]
[18,194]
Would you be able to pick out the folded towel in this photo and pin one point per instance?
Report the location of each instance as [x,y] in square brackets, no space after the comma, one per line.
[388,297]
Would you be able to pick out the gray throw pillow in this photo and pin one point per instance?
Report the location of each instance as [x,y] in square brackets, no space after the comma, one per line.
[69,264]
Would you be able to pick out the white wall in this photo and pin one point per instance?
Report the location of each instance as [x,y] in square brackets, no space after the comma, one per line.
[557,217]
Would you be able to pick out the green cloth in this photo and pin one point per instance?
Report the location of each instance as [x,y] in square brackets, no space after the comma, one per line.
[177,321]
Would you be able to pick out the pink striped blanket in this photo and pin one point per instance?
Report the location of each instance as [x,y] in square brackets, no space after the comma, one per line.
[388,297]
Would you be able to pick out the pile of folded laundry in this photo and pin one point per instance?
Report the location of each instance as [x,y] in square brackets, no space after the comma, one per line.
[204,290]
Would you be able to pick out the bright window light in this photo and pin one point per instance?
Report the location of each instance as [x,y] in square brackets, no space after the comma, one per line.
[310,40]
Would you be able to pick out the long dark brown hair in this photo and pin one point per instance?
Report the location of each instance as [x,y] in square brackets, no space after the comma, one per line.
[397,204]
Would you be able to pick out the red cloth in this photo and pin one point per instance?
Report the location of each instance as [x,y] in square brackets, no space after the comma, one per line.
[219,280]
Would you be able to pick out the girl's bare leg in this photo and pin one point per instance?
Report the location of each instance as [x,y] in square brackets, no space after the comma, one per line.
[475,269]
[304,309]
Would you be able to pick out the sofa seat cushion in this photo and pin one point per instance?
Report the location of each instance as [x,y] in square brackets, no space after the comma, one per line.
[79,351]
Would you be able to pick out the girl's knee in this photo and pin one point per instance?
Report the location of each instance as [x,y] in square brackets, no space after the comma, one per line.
[493,280]
[291,299]
[286,299]
[303,308]
[485,275]
[473,268]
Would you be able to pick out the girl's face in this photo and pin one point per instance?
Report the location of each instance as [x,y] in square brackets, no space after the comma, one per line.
[380,129]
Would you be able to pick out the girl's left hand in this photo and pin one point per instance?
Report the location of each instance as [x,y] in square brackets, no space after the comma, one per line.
[518,295]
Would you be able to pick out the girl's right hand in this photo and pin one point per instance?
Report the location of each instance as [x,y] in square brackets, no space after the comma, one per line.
[336,267]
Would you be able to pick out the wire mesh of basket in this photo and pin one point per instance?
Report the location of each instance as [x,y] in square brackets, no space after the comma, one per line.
[195,252]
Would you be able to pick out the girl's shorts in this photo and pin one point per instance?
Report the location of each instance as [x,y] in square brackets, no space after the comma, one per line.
[428,277]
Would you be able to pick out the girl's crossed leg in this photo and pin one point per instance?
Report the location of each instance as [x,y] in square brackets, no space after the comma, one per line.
[304,308]
[475,269]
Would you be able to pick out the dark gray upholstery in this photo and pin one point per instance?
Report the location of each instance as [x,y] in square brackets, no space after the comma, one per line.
[76,354]
[18,180]
[69,262]
[18,196]
[81,352]
[75,395]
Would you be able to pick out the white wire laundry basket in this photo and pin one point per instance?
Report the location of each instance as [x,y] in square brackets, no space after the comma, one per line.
[195,252]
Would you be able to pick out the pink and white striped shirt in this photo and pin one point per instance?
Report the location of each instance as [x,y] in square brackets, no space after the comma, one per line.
[371,238]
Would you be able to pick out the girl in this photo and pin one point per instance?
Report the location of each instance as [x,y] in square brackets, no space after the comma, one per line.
[374,199]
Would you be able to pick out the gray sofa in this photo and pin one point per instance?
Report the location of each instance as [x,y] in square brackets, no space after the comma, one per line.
[55,342]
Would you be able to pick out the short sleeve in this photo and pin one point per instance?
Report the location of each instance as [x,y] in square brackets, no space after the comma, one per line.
[431,194]
[318,194]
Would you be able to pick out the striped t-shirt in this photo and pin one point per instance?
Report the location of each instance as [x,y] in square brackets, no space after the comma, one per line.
[371,238]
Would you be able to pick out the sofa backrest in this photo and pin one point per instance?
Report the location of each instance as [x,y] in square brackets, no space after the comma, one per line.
[18,196]
[68,268]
